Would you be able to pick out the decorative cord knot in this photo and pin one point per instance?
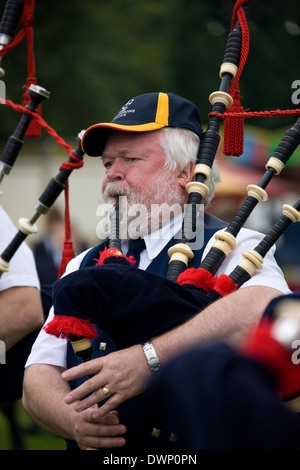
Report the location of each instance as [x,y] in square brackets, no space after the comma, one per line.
[72,165]
[28,21]
[29,81]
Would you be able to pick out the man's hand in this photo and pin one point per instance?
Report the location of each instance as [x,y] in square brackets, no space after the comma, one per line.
[94,434]
[124,373]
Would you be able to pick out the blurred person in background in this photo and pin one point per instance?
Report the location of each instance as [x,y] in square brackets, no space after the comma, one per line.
[48,251]
[21,316]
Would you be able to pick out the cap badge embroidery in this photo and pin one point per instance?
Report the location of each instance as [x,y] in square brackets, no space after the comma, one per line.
[124,110]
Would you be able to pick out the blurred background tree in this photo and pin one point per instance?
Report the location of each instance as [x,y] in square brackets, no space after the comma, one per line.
[94,55]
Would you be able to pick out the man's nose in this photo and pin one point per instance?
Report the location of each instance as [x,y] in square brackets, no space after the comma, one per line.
[116,170]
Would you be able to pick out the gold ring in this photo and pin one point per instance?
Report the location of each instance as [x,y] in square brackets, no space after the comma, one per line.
[106,392]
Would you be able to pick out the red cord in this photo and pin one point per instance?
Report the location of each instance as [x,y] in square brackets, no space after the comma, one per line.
[34,128]
[258,114]
[43,123]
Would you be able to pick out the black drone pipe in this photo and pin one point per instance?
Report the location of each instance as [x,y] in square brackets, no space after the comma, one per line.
[225,241]
[16,140]
[9,22]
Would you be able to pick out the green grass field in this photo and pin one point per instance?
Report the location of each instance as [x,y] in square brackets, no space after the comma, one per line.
[29,436]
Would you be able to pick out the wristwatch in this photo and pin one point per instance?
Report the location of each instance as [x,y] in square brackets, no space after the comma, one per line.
[151,357]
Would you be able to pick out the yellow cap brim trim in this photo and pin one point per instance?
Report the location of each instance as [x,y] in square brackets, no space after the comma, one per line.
[150,126]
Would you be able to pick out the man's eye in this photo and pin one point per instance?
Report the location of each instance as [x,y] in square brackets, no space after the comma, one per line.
[107,165]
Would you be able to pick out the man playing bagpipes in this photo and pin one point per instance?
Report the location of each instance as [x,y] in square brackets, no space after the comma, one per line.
[149,151]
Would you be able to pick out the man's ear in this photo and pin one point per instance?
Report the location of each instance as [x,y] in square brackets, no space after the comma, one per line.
[186,175]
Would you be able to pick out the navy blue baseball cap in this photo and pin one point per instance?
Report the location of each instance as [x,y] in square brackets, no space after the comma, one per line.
[147,112]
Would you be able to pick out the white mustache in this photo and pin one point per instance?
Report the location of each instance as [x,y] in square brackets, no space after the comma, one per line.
[115,189]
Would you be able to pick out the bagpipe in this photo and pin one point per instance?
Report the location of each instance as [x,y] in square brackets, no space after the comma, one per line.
[129,305]
[115,296]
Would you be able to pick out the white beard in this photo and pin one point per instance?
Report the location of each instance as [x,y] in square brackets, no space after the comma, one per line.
[144,211]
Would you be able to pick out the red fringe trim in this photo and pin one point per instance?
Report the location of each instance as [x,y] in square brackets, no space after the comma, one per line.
[224,285]
[63,326]
[109,252]
[198,277]
[262,347]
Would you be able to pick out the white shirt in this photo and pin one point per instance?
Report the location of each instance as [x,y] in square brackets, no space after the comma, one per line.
[51,350]
[22,269]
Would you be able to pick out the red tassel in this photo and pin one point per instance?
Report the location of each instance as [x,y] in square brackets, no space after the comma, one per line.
[233,144]
[67,255]
[262,347]
[198,277]
[224,285]
[234,126]
[110,252]
[63,326]
[68,252]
